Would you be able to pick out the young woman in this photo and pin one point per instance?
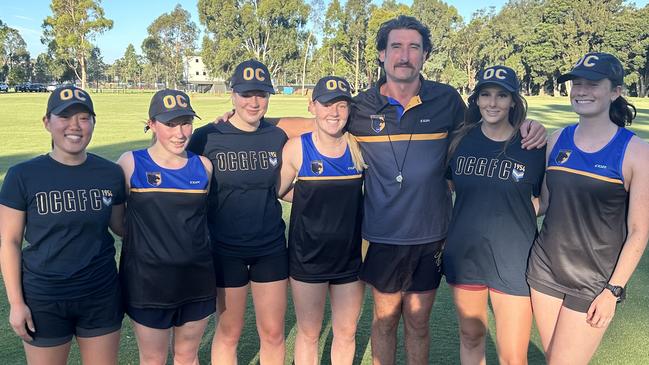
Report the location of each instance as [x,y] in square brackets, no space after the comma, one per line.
[166,266]
[325,232]
[245,217]
[494,220]
[64,283]
[596,226]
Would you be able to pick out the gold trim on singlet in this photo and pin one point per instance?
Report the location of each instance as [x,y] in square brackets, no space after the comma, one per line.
[169,190]
[345,177]
[587,174]
[403,137]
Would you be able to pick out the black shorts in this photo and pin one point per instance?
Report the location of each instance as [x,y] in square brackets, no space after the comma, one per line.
[337,281]
[164,318]
[406,268]
[569,301]
[56,321]
[235,272]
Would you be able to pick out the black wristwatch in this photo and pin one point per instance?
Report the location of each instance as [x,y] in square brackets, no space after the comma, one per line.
[618,291]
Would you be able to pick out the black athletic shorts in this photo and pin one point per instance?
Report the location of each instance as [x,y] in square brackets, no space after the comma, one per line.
[336,281]
[56,321]
[164,318]
[569,301]
[406,268]
[235,272]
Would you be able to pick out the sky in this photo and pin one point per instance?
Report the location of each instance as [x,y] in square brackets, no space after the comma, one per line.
[132,17]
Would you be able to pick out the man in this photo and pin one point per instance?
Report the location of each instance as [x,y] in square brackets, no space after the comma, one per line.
[403,125]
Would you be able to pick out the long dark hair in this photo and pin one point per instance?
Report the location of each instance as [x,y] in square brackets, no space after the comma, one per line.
[472,118]
[622,112]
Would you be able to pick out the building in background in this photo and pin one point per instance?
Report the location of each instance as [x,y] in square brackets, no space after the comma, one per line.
[198,79]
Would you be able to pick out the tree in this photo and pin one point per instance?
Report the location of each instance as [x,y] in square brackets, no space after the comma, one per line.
[41,70]
[96,66]
[72,26]
[270,31]
[130,69]
[172,37]
[13,53]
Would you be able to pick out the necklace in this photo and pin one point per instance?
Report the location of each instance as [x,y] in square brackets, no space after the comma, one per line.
[399,177]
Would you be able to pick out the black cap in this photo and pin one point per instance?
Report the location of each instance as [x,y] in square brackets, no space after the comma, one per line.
[596,66]
[66,96]
[499,75]
[329,88]
[251,75]
[169,104]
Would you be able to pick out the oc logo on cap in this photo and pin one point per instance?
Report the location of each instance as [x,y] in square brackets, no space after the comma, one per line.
[170,102]
[499,73]
[258,73]
[587,60]
[333,84]
[67,94]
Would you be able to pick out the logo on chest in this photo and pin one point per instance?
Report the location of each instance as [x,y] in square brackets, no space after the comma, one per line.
[378,122]
[563,156]
[154,178]
[272,158]
[317,167]
[518,172]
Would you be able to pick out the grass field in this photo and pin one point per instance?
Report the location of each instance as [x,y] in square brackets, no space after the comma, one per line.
[119,128]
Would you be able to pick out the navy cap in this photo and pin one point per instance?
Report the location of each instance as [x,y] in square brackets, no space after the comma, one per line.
[329,88]
[66,96]
[499,75]
[251,75]
[596,66]
[168,104]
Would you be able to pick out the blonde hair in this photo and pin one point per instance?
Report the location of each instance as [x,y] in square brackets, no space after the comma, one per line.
[355,151]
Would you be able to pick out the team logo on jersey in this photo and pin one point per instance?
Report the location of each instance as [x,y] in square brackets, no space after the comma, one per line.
[272,158]
[378,122]
[107,200]
[154,178]
[317,167]
[563,156]
[518,174]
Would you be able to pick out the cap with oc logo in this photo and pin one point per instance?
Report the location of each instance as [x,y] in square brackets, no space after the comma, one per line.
[251,75]
[502,76]
[596,66]
[329,88]
[168,104]
[66,96]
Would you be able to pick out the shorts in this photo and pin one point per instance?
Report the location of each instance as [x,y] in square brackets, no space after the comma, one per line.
[569,301]
[406,268]
[165,318]
[476,287]
[336,281]
[56,321]
[235,272]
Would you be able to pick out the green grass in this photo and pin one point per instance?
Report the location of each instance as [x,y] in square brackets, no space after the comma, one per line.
[120,128]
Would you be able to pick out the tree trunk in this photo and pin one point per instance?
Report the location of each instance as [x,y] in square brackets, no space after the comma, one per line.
[83,72]
[358,65]
[306,55]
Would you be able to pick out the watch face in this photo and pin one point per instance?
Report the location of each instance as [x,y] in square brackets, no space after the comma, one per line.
[616,290]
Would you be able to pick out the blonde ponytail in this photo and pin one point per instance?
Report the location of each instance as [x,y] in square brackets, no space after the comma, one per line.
[355,151]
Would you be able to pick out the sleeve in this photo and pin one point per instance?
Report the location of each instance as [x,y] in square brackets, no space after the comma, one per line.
[120,191]
[539,164]
[13,193]
[198,141]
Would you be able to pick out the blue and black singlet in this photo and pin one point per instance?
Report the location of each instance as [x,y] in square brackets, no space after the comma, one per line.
[325,229]
[585,223]
[166,259]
